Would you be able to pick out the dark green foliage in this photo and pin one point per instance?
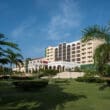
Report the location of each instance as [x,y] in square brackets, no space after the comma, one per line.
[92,69]
[30,85]
[48,72]
[102,52]
[22,78]
[108,82]
[106,70]
[90,79]
[95,32]
[4,70]
[89,69]
[6,45]
[7,77]
[26,64]
[61,81]
[14,58]
[34,71]
[77,69]
[70,95]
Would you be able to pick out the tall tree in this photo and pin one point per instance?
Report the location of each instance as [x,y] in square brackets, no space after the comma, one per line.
[14,58]
[102,52]
[26,64]
[4,44]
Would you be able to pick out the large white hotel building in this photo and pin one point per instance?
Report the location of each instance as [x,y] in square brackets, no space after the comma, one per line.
[76,51]
[64,56]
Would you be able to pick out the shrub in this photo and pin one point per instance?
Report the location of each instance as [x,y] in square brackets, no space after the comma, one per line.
[30,85]
[48,72]
[4,77]
[90,79]
[77,69]
[106,70]
[90,70]
[61,80]
[108,82]
[5,70]
[22,77]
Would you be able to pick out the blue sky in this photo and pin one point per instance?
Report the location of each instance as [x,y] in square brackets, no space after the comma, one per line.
[37,24]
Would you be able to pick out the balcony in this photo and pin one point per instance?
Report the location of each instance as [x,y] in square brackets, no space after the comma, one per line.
[78,47]
[83,49]
[78,43]
[73,44]
[73,52]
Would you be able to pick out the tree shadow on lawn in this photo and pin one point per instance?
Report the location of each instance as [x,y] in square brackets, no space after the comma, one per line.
[104,86]
[46,99]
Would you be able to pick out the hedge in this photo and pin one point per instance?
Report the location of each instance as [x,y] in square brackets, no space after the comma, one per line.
[30,84]
[6,77]
[90,79]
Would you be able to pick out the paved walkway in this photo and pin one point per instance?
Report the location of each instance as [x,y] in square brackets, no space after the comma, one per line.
[69,75]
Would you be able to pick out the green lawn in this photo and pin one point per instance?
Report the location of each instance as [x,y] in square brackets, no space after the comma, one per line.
[67,95]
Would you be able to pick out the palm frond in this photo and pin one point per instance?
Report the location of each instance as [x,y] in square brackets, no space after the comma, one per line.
[95,32]
[4,61]
[102,54]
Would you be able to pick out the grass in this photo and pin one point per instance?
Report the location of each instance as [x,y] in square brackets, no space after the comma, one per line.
[59,95]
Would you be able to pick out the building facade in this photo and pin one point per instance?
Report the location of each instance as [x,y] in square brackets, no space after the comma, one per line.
[78,52]
[64,56]
[62,65]
[36,64]
[50,53]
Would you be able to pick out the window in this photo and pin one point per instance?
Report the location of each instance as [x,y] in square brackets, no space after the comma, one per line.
[73,55]
[78,47]
[78,59]
[73,44]
[73,48]
[73,59]
[73,52]
[78,55]
[78,51]
[78,43]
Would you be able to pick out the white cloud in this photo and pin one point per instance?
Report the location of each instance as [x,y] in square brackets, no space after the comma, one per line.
[67,18]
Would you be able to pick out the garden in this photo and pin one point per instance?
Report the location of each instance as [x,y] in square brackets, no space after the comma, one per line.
[60,94]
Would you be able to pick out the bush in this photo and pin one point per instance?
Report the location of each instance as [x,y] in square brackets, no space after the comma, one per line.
[7,77]
[4,77]
[77,69]
[108,82]
[30,85]
[48,72]
[106,70]
[90,79]
[22,77]
[5,70]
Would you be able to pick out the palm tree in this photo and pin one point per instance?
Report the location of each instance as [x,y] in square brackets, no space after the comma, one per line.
[14,58]
[3,46]
[102,57]
[96,32]
[102,52]
[26,64]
